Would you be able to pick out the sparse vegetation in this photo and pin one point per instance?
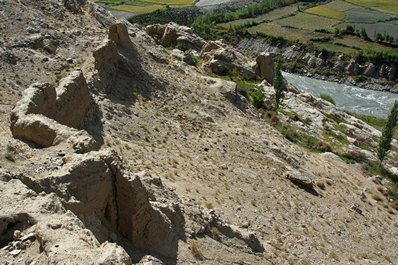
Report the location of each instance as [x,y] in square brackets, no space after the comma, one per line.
[386,138]
[193,246]
[209,205]
[11,151]
[278,84]
[328,98]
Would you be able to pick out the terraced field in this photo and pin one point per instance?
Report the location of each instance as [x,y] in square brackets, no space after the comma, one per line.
[308,22]
[143,6]
[311,23]
[325,11]
[270,16]
[387,6]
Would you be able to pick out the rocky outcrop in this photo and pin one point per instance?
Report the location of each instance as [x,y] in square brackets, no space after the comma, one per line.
[226,60]
[172,35]
[352,68]
[42,231]
[108,199]
[370,70]
[265,66]
[48,116]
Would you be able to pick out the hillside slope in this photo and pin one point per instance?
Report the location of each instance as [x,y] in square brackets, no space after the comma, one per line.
[127,151]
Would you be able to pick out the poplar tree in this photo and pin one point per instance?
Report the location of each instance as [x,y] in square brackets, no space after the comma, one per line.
[388,131]
[279,86]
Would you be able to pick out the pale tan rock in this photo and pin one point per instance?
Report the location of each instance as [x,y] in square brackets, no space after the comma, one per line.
[111,254]
[48,117]
[118,33]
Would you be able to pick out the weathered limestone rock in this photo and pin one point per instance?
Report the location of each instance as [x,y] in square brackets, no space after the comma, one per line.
[211,45]
[172,34]
[65,240]
[352,68]
[392,73]
[111,254]
[265,66]
[140,222]
[301,180]
[73,102]
[339,64]
[94,186]
[149,260]
[118,33]
[104,17]
[226,60]
[74,6]
[48,116]
[370,70]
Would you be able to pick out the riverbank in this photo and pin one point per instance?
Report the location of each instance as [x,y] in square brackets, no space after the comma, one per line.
[322,65]
[349,81]
[352,99]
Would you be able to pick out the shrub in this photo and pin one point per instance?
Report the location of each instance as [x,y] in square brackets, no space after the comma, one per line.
[258,98]
[278,84]
[10,153]
[193,246]
[363,34]
[328,98]
[196,59]
[386,137]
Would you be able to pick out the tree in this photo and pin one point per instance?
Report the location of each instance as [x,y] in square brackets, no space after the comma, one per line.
[388,131]
[364,34]
[279,86]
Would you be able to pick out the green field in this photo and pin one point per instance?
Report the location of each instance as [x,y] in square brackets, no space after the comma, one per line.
[308,22]
[325,11]
[386,6]
[270,16]
[143,6]
[288,33]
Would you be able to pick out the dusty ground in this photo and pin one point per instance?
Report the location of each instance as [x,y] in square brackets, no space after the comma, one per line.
[178,125]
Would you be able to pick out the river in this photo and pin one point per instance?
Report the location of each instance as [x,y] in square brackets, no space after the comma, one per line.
[349,98]
[210,2]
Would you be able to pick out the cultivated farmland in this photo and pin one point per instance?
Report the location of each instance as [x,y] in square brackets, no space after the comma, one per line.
[387,6]
[143,6]
[270,16]
[308,22]
[342,26]
[325,11]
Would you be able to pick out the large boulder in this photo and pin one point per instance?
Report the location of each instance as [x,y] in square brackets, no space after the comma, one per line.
[301,180]
[172,35]
[392,73]
[228,61]
[265,66]
[352,68]
[211,45]
[339,64]
[370,70]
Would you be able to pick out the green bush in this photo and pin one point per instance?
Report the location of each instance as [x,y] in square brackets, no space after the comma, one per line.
[328,98]
[388,131]
[257,98]
[279,86]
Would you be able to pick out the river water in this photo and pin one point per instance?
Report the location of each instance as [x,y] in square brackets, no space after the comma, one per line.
[348,98]
[210,2]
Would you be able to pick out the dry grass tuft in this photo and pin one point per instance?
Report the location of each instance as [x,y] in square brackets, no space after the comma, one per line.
[193,246]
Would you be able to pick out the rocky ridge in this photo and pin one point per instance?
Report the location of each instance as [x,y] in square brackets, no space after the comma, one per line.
[116,159]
